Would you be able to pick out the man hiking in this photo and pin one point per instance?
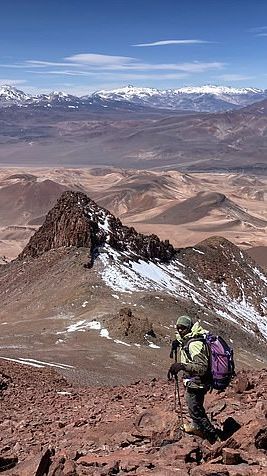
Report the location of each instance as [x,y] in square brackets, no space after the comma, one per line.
[194,361]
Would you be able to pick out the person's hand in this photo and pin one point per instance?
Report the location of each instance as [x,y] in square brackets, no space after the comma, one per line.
[174,347]
[174,369]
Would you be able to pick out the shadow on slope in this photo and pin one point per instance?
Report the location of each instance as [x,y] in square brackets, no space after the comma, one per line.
[200,206]
[23,198]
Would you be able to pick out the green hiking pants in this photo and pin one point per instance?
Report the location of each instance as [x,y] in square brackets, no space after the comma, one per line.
[195,402]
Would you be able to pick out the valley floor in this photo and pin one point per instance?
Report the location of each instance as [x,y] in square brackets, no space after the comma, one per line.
[184,208]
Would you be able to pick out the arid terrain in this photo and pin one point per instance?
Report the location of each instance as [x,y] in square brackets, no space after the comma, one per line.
[96,301]
[184,208]
[86,286]
[128,138]
[59,429]
[133,238]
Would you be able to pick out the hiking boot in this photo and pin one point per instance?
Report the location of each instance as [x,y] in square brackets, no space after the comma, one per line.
[212,444]
[214,438]
[192,429]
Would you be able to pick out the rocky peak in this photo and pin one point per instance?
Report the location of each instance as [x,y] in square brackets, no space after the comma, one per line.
[10,93]
[219,261]
[78,221]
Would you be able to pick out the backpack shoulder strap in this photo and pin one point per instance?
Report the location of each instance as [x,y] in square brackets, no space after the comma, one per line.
[197,338]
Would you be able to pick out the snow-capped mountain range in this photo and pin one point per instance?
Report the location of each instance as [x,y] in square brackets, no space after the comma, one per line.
[206,98]
[10,96]
[203,98]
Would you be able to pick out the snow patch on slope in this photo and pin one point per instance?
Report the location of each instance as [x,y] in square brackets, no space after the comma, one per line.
[141,275]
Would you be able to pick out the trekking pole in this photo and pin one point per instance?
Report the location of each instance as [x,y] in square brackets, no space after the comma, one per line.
[177,394]
[176,390]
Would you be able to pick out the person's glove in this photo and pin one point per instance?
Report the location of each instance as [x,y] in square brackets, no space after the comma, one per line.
[174,369]
[174,347]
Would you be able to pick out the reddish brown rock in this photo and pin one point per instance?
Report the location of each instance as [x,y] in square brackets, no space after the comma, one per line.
[231,456]
[248,435]
[261,439]
[56,468]
[241,383]
[69,468]
[78,221]
[138,429]
[8,463]
[80,422]
[99,461]
[209,469]
[37,465]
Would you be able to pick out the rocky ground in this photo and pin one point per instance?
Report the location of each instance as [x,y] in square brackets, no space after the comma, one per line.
[51,427]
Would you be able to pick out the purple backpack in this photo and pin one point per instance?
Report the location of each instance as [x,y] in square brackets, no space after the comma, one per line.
[221,360]
[222,366]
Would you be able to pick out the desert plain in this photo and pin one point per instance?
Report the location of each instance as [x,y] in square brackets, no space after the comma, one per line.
[184,208]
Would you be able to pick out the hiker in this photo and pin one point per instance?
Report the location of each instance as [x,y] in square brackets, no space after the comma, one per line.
[194,362]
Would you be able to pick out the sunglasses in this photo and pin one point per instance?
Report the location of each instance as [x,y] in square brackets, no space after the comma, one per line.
[181,328]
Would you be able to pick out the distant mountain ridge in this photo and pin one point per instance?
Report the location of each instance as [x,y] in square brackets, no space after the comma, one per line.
[207,98]
[130,135]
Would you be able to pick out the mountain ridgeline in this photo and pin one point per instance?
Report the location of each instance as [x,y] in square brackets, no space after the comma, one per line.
[131,129]
[207,98]
[214,275]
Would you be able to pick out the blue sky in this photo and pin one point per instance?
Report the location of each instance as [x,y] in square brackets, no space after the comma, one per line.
[80,46]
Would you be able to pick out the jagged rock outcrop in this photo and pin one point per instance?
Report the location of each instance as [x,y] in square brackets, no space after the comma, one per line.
[130,326]
[78,221]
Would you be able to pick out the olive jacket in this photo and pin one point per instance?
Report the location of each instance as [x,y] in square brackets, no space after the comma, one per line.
[195,358]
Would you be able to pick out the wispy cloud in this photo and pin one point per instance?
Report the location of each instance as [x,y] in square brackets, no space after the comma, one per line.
[99,60]
[12,82]
[63,72]
[172,42]
[133,77]
[90,62]
[43,64]
[95,62]
[90,59]
[113,76]
[11,65]
[194,67]
[113,69]
[234,77]
[259,30]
